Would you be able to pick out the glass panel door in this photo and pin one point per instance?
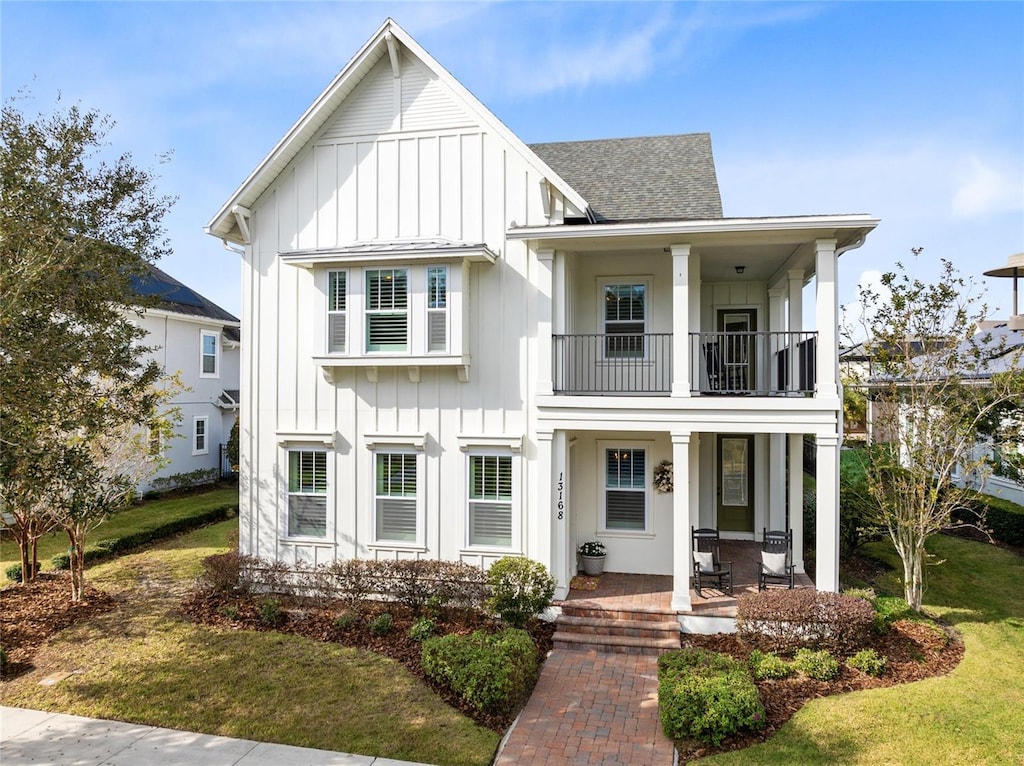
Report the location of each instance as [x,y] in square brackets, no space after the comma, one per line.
[736,483]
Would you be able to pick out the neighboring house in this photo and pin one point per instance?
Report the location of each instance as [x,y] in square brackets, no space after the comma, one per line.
[458,346]
[199,341]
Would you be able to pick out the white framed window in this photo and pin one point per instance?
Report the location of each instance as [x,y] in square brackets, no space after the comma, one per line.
[490,501]
[437,309]
[387,310]
[396,512]
[625,309]
[201,435]
[209,354]
[625,492]
[337,312]
[307,493]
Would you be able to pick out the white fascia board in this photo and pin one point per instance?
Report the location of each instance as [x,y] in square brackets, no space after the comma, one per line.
[192,318]
[682,228]
[222,225]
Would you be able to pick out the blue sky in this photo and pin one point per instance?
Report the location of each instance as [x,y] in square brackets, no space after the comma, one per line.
[913,112]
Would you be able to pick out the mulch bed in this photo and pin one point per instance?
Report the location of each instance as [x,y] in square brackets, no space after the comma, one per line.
[915,650]
[31,613]
[307,620]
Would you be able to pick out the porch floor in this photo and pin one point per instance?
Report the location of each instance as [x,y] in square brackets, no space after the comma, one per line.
[617,591]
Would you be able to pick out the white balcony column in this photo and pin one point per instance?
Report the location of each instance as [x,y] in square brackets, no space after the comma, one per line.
[827,515]
[545,303]
[681,320]
[796,497]
[796,324]
[682,555]
[827,308]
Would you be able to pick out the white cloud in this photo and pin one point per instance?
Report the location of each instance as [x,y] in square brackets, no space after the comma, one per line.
[855,316]
[983,190]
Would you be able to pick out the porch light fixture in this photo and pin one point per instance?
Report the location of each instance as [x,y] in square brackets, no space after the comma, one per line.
[740,269]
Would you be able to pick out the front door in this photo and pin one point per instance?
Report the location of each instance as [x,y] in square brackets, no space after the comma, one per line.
[736,483]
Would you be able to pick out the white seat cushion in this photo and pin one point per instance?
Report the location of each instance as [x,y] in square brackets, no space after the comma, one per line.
[704,561]
[774,563]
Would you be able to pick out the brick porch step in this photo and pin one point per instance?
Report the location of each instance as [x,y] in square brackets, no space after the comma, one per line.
[635,631]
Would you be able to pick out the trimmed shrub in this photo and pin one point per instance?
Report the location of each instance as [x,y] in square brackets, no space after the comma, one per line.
[382,624]
[422,629]
[223,573]
[63,560]
[786,620]
[706,696]
[13,572]
[819,665]
[346,620]
[270,611]
[1003,519]
[868,661]
[890,609]
[768,665]
[492,672]
[520,588]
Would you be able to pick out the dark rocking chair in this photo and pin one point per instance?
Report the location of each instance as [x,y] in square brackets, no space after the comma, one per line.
[712,570]
[776,564]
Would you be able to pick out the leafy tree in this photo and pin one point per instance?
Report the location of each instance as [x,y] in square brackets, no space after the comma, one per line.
[232,449]
[75,228]
[937,381]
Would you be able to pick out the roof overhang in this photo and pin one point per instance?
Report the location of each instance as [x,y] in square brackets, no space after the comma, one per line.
[847,230]
[392,252]
[232,218]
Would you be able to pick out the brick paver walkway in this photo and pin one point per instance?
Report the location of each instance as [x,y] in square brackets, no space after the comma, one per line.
[591,707]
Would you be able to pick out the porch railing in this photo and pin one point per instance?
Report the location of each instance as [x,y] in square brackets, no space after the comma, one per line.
[753,363]
[721,363]
[622,364]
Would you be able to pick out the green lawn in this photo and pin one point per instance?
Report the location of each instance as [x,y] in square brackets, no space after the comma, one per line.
[137,518]
[143,663]
[975,715]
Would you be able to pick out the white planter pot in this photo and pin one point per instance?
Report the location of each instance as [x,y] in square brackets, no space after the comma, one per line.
[593,565]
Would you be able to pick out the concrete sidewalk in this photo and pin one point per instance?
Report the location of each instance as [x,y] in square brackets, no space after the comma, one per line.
[35,737]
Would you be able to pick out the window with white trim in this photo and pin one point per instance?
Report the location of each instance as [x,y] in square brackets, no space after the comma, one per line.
[625,489]
[307,493]
[437,309]
[387,310]
[200,435]
[209,354]
[396,501]
[625,320]
[337,315]
[490,501]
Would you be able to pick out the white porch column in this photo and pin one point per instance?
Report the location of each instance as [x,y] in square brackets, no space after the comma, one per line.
[542,526]
[827,319]
[827,516]
[796,324]
[545,301]
[796,497]
[680,320]
[776,482]
[682,555]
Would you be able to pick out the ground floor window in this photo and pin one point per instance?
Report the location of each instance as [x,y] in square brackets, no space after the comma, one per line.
[396,513]
[307,493]
[490,500]
[200,435]
[625,489]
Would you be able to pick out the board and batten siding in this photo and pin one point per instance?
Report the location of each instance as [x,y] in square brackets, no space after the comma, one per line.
[402,159]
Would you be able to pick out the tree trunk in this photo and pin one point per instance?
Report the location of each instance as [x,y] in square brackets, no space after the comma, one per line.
[913,577]
[23,545]
[77,565]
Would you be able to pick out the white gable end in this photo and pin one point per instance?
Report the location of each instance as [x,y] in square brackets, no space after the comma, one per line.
[383,103]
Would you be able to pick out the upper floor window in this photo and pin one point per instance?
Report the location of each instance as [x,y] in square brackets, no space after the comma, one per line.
[307,493]
[625,320]
[209,354]
[337,303]
[387,310]
[625,489]
[437,308]
[490,500]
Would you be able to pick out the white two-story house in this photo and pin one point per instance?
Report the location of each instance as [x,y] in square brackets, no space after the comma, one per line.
[197,340]
[459,346]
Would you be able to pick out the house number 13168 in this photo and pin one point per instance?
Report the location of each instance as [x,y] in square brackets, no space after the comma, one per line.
[561,501]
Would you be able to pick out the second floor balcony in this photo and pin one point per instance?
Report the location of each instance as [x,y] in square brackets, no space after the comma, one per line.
[721,364]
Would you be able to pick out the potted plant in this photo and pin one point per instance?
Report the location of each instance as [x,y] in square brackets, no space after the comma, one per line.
[592,555]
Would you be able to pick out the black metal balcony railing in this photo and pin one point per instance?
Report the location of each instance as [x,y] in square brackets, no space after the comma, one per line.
[622,364]
[721,363]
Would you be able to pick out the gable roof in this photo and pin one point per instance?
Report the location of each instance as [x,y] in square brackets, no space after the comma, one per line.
[171,295]
[390,34]
[659,178]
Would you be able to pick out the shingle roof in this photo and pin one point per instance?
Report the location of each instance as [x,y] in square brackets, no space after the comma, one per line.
[660,178]
[172,295]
